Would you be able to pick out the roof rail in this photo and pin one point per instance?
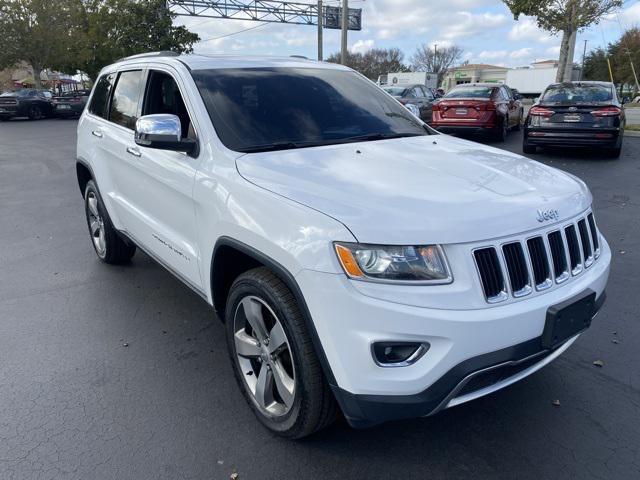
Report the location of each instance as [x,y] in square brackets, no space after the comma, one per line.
[164,53]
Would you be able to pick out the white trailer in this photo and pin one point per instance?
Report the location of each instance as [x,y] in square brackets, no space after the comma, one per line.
[400,79]
[531,81]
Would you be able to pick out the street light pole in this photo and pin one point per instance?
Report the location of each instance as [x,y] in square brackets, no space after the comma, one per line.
[320,20]
[584,53]
[345,27]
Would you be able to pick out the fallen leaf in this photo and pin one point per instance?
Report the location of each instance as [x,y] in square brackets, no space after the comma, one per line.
[599,363]
[622,252]
[234,476]
[556,403]
[615,340]
[125,344]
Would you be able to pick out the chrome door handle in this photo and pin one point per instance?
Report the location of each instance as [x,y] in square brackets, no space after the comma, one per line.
[96,133]
[134,151]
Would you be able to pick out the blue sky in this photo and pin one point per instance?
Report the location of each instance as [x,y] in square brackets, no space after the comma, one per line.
[484,29]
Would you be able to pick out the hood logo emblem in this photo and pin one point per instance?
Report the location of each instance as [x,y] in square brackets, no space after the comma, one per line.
[546,215]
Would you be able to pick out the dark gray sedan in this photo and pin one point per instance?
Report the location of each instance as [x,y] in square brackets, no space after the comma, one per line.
[418,95]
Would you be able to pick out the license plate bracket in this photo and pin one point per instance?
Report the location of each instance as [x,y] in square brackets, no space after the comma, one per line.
[572,117]
[461,111]
[568,318]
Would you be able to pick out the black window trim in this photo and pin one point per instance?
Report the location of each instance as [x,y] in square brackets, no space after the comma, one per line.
[142,71]
[185,99]
[108,102]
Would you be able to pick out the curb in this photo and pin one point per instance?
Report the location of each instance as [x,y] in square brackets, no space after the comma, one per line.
[631,133]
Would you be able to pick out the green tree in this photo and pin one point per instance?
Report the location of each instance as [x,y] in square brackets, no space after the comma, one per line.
[595,66]
[373,63]
[625,55]
[106,30]
[566,17]
[36,31]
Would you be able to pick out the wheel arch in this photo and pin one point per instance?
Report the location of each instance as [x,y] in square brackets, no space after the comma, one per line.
[231,258]
[84,173]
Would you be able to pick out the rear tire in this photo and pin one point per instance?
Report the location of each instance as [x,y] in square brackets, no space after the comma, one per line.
[306,405]
[613,152]
[107,243]
[528,148]
[501,135]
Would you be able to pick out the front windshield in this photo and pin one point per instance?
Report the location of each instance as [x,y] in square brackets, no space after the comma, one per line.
[577,94]
[260,109]
[20,93]
[469,92]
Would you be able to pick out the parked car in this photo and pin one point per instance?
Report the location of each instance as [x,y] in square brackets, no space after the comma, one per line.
[478,108]
[418,96]
[576,114]
[26,102]
[358,259]
[70,104]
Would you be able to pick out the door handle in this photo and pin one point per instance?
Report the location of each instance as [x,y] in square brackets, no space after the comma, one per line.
[134,151]
[96,133]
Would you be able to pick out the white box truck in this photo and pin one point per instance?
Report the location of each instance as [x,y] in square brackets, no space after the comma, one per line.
[400,79]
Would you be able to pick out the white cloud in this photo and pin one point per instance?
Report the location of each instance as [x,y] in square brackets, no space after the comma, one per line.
[362,46]
[553,52]
[492,54]
[466,24]
[526,29]
[521,53]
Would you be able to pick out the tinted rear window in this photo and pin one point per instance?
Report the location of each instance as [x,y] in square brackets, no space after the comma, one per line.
[252,109]
[470,92]
[396,91]
[577,94]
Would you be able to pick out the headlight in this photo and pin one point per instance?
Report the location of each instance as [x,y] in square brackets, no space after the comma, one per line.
[424,264]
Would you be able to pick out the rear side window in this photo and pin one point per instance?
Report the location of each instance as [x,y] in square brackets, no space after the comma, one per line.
[124,104]
[101,95]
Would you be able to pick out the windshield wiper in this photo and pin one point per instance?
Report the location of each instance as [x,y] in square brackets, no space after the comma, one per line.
[378,136]
[270,147]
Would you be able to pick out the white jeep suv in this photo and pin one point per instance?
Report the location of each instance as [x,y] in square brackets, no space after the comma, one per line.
[359,260]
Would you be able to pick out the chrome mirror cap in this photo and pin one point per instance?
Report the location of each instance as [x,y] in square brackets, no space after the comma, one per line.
[159,127]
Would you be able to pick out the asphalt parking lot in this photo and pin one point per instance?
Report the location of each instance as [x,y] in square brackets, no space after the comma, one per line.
[76,403]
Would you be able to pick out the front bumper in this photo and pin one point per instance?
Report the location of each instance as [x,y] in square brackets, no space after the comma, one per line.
[462,342]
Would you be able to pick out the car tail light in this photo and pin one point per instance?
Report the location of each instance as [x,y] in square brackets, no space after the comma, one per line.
[541,112]
[607,112]
[485,107]
[435,107]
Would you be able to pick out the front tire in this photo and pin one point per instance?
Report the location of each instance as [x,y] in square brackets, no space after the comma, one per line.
[273,357]
[107,243]
[35,112]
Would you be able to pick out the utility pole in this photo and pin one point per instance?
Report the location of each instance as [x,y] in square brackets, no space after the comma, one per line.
[345,27]
[584,53]
[320,19]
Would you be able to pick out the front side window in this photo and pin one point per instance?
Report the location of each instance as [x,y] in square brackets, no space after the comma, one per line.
[100,98]
[124,105]
[259,109]
[163,96]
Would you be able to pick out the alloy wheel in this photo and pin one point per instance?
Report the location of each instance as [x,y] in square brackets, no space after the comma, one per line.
[96,225]
[264,356]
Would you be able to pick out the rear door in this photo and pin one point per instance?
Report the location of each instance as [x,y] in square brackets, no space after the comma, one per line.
[426,105]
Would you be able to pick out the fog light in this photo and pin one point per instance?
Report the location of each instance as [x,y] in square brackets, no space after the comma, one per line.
[397,354]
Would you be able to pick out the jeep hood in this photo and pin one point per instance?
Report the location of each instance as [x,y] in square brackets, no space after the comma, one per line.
[417,190]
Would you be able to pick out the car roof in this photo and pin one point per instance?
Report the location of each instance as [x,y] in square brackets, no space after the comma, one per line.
[207,62]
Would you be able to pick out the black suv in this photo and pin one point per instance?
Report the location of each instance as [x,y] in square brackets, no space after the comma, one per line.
[26,102]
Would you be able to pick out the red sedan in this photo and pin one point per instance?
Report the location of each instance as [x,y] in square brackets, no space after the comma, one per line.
[478,108]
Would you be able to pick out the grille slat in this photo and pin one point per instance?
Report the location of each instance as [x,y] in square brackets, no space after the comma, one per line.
[516,268]
[585,242]
[539,262]
[574,249]
[490,273]
[556,255]
[594,232]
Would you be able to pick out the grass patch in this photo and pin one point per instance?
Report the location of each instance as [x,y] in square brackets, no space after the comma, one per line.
[631,105]
[634,128]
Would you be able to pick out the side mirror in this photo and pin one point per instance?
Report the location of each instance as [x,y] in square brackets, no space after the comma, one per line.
[163,131]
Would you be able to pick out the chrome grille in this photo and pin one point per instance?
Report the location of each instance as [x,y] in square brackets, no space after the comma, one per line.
[517,268]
